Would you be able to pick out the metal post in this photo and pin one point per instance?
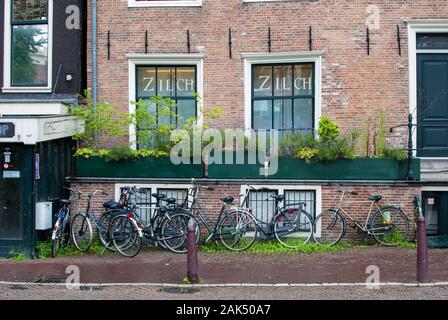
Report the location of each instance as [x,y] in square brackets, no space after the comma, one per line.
[192,253]
[422,251]
[410,176]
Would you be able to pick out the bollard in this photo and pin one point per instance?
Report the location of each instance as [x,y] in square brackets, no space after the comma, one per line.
[192,253]
[422,251]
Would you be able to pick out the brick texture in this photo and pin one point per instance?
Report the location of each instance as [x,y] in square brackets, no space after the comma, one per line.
[354,85]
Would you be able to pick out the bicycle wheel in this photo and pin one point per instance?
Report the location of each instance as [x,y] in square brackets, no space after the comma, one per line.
[329,228]
[82,234]
[104,231]
[125,236]
[389,226]
[174,232]
[293,228]
[237,230]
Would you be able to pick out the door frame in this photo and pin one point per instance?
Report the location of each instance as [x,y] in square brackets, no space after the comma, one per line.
[26,244]
[414,27]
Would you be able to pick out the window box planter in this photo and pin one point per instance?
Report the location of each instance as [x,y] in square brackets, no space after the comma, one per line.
[342,169]
[96,167]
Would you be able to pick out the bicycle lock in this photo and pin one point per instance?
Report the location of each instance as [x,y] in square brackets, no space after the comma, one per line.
[192,254]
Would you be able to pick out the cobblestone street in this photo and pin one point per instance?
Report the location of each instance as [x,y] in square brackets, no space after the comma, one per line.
[35,292]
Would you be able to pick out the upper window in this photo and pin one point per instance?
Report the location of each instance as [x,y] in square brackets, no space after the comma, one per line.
[432,41]
[178,83]
[283,97]
[164,3]
[29,43]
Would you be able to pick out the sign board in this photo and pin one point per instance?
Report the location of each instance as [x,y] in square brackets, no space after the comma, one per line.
[11,174]
[7,130]
[431,201]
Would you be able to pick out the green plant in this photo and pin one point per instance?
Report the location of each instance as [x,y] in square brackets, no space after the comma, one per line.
[328,130]
[307,154]
[43,250]
[397,154]
[291,143]
[99,120]
[118,154]
[18,255]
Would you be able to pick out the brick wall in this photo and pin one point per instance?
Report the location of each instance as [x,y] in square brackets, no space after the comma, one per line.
[355,85]
[357,206]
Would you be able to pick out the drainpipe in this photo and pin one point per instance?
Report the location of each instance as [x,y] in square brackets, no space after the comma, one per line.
[94,61]
[410,176]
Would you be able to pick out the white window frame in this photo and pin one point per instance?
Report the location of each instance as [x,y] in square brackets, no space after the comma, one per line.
[251,59]
[415,27]
[185,3]
[135,60]
[7,87]
[152,187]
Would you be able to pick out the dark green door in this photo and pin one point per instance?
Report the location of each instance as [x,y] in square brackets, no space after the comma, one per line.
[16,220]
[432,75]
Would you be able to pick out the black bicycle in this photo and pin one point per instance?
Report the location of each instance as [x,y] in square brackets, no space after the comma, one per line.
[235,228]
[61,230]
[167,227]
[291,225]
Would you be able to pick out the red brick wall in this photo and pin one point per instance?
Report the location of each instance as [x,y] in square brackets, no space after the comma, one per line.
[355,85]
[357,206]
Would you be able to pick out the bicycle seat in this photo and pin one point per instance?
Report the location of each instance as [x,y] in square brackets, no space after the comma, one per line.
[227,200]
[375,198]
[64,201]
[159,196]
[111,204]
[171,200]
[278,198]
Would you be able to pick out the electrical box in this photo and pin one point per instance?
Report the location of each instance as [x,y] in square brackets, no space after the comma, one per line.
[44,215]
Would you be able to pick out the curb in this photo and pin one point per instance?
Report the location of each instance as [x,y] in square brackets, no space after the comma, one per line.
[228,285]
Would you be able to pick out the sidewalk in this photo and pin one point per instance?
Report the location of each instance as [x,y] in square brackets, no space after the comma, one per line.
[157,267]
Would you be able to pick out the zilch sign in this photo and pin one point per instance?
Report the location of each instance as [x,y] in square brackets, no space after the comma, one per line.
[7,130]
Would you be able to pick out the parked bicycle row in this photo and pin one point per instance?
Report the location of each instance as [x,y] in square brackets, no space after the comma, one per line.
[122,228]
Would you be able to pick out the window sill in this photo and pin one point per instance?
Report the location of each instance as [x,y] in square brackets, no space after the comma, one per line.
[26,90]
[144,4]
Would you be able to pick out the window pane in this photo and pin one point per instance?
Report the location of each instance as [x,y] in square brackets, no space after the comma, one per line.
[146,82]
[28,10]
[147,117]
[299,196]
[432,41]
[186,81]
[29,55]
[262,81]
[186,109]
[179,194]
[262,204]
[303,79]
[283,80]
[262,114]
[165,79]
[303,115]
[283,114]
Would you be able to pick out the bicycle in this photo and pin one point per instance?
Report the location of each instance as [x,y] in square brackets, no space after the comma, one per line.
[291,225]
[82,231]
[59,235]
[235,228]
[388,224]
[128,230]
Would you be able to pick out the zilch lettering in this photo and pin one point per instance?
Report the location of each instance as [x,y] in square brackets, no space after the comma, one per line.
[285,83]
[183,85]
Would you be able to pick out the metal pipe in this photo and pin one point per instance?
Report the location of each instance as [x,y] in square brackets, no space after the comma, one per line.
[94,61]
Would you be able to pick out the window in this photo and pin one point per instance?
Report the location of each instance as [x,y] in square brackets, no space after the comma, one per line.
[283,97]
[432,41]
[263,204]
[27,43]
[146,203]
[175,82]
[164,3]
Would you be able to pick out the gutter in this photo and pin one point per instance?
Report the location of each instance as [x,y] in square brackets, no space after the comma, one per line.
[94,60]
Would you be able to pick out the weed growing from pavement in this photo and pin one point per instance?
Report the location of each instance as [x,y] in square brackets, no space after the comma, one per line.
[17,255]
[272,247]
[186,281]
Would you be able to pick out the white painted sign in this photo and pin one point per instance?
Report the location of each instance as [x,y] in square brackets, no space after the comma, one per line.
[11,174]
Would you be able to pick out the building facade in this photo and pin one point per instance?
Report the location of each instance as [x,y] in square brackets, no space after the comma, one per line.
[42,72]
[274,64]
